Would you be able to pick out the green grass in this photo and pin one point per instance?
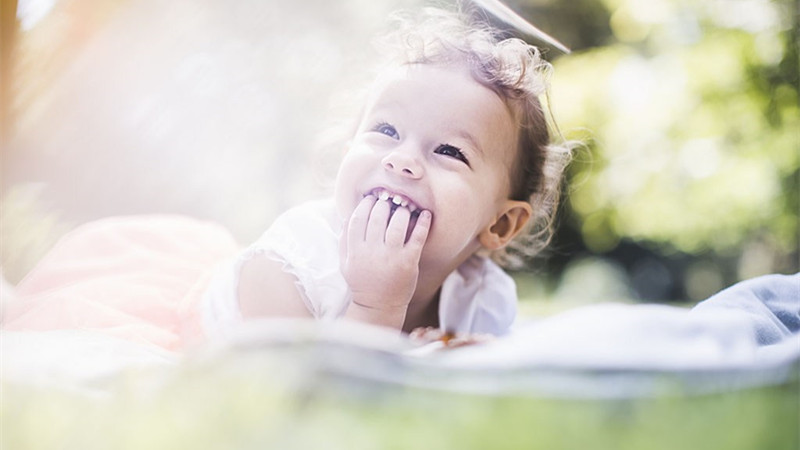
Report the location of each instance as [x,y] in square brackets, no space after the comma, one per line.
[255,401]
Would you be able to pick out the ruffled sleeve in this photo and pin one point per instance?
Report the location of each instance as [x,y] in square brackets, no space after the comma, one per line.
[305,241]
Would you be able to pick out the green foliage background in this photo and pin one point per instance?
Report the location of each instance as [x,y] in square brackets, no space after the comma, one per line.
[689,115]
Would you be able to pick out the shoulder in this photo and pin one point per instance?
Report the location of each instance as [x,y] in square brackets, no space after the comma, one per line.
[295,234]
[315,213]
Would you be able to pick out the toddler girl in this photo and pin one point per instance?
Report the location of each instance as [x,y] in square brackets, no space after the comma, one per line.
[450,161]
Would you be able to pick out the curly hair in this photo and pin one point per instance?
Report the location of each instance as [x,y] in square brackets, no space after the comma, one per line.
[520,76]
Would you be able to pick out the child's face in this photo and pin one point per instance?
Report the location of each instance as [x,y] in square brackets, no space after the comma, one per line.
[441,141]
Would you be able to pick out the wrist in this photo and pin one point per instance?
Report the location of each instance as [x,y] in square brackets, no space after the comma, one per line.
[383,315]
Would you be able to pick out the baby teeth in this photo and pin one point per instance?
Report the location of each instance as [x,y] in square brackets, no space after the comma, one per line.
[397,200]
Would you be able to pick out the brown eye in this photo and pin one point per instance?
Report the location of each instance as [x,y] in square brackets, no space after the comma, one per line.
[452,152]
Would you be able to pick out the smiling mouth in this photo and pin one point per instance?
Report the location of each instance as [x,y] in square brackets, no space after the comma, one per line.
[397,200]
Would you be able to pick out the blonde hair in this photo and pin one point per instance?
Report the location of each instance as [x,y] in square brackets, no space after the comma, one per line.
[515,71]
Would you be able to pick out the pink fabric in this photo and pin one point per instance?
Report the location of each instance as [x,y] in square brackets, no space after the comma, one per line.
[138,278]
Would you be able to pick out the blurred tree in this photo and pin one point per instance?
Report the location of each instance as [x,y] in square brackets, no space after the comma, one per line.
[691,161]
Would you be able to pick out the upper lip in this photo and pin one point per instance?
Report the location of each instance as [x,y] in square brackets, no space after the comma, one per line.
[405,199]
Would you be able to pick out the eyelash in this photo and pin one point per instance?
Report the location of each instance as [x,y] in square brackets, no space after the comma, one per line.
[388,130]
[458,154]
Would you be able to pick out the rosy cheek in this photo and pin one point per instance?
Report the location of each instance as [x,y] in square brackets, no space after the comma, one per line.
[449,219]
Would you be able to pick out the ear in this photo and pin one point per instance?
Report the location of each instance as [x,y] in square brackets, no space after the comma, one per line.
[509,222]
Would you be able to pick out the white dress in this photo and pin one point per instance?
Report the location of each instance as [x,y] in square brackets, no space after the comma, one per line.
[478,297]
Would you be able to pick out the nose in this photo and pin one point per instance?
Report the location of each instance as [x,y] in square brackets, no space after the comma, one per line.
[402,162]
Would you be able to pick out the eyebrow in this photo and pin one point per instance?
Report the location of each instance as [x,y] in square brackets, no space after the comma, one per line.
[466,135]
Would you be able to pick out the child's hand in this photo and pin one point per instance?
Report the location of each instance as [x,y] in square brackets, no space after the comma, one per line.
[380,259]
